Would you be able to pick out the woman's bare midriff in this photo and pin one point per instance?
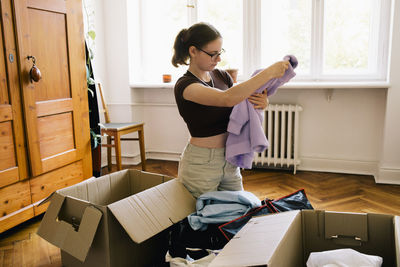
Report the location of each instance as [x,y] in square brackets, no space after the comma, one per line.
[216,141]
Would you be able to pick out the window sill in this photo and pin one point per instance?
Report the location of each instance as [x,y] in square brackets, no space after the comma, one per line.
[290,85]
[150,85]
[336,85]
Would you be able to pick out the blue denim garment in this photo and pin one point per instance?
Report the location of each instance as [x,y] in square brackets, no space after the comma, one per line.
[220,207]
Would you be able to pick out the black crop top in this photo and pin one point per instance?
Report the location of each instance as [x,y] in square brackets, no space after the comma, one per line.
[202,120]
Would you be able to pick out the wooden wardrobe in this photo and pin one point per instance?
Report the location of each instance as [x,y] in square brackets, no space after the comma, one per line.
[44,125]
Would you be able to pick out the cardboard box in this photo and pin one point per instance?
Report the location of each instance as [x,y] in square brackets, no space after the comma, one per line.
[122,219]
[115,220]
[286,239]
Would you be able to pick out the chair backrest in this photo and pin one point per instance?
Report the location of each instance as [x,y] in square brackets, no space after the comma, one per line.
[104,104]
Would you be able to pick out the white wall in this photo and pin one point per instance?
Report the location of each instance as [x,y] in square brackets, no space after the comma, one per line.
[342,134]
[389,169]
[110,63]
[356,131]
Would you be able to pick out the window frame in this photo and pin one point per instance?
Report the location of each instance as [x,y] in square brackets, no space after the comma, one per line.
[252,42]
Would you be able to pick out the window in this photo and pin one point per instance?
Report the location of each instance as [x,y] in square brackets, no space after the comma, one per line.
[227,17]
[334,40]
[152,27]
[350,37]
[286,29]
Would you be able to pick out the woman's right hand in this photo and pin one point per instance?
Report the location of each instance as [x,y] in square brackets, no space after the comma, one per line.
[277,69]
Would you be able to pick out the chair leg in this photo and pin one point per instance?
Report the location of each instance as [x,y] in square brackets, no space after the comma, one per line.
[109,162]
[142,149]
[117,142]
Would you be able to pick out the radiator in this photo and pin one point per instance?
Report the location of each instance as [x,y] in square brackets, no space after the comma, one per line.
[281,125]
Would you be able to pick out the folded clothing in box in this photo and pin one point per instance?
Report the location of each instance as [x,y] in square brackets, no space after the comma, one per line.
[295,201]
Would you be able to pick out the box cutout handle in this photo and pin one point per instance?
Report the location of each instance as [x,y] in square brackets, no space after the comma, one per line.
[342,236]
[348,241]
[74,240]
[351,227]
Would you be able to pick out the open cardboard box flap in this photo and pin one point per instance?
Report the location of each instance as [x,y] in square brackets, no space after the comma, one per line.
[149,212]
[286,239]
[256,242]
[63,234]
[75,212]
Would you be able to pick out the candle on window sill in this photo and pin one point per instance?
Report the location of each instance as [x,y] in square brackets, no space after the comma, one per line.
[166,78]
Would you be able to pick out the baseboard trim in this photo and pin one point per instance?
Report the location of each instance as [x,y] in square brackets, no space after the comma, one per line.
[164,155]
[339,166]
[134,159]
[388,176]
[381,175]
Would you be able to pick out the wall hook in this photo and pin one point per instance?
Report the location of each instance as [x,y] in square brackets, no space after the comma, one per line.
[329,93]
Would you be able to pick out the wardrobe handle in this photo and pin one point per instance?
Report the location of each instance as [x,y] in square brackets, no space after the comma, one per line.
[34,73]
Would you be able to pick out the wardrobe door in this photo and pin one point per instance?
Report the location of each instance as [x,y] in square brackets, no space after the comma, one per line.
[15,198]
[50,35]
[13,162]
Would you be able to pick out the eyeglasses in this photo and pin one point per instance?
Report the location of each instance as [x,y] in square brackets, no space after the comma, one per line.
[213,56]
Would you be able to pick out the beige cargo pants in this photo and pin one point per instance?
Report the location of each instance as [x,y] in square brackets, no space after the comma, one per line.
[203,170]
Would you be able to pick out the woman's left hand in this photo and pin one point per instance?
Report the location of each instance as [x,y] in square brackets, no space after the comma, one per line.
[259,101]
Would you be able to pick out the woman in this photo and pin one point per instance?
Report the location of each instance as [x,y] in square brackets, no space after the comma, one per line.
[205,97]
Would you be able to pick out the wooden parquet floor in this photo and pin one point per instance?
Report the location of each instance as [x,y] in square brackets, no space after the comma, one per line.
[20,246]
[327,191]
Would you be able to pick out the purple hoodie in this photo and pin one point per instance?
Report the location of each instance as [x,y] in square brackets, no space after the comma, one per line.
[246,134]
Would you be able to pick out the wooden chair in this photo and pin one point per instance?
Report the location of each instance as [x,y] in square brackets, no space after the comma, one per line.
[114,131]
